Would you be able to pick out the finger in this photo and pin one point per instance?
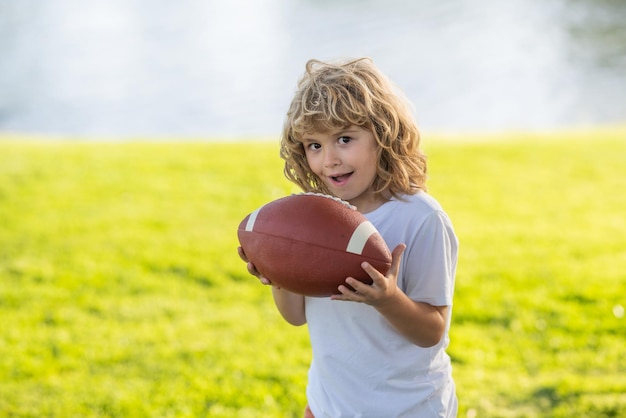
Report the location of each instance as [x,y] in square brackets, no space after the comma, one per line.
[346,294]
[378,278]
[358,287]
[370,270]
[242,255]
[252,270]
[396,257]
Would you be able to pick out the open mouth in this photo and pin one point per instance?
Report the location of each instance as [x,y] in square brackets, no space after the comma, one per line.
[340,179]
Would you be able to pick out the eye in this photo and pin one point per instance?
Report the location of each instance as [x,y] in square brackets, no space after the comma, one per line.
[344,139]
[313,146]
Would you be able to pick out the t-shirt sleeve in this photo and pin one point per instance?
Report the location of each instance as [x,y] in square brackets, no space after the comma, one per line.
[430,261]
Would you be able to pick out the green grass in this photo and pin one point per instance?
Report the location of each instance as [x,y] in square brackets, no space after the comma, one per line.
[121,294]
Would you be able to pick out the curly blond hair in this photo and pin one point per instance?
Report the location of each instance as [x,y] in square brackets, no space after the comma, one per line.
[354,92]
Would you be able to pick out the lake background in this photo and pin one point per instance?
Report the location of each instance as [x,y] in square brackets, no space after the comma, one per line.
[121,68]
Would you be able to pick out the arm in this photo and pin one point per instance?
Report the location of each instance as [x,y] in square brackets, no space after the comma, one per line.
[419,322]
[290,305]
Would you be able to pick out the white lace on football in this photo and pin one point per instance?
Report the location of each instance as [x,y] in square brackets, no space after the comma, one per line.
[327,196]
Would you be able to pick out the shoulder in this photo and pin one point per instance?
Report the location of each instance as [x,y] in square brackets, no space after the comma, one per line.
[422,200]
[417,206]
[409,213]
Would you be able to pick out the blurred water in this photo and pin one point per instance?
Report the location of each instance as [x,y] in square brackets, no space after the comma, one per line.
[205,68]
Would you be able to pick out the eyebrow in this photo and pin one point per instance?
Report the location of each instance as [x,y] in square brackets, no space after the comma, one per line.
[343,131]
[339,132]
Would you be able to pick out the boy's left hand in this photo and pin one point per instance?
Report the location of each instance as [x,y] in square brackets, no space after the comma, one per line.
[383,287]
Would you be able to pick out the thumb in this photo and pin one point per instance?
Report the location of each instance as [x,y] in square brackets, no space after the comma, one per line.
[396,257]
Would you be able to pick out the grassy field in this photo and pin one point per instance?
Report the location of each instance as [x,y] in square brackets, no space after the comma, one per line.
[121,294]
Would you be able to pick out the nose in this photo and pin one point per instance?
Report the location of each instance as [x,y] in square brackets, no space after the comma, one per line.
[331,158]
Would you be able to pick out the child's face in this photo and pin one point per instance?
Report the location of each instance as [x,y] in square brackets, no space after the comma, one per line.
[345,160]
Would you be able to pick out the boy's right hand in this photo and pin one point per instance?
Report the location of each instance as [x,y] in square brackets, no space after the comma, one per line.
[251,269]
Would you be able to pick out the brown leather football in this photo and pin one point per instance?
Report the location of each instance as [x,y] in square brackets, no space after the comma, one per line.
[310,243]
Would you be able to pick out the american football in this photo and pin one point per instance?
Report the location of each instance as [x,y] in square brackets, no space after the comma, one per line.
[310,243]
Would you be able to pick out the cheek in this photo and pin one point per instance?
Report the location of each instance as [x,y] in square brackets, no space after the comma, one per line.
[313,162]
[373,164]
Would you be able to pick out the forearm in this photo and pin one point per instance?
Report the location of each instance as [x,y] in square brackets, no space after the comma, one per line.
[419,322]
[290,305]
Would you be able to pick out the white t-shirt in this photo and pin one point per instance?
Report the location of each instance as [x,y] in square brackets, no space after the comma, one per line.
[361,366]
